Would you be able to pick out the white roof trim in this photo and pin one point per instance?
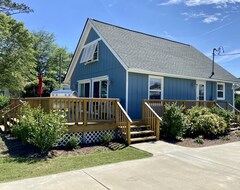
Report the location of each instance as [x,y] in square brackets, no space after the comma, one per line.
[80,46]
[133,70]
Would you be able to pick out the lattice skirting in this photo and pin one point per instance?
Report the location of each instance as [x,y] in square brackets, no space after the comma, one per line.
[89,137]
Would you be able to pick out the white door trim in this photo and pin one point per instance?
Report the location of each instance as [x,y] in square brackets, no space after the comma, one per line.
[197,88]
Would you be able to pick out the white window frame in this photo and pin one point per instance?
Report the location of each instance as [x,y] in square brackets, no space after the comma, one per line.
[88,52]
[198,82]
[99,79]
[84,82]
[162,85]
[223,90]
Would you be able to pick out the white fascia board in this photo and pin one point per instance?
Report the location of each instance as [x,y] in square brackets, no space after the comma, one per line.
[77,52]
[141,71]
[109,47]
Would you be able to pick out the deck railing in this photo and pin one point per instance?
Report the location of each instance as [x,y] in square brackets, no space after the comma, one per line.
[151,118]
[79,110]
[158,105]
[123,122]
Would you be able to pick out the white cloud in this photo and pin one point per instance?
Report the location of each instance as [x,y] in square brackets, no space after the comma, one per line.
[223,3]
[210,19]
[205,17]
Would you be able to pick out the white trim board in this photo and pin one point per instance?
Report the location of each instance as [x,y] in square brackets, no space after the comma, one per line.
[132,70]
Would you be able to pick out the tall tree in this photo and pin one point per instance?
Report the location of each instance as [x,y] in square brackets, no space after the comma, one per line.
[9,8]
[51,61]
[16,54]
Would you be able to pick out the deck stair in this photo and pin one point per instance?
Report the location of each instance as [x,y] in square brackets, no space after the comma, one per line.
[141,132]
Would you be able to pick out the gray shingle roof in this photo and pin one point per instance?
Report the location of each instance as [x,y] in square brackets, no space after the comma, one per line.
[151,53]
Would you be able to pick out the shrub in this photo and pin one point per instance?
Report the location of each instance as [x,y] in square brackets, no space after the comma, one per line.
[173,121]
[4,101]
[226,114]
[199,140]
[107,138]
[237,102]
[38,128]
[72,143]
[200,121]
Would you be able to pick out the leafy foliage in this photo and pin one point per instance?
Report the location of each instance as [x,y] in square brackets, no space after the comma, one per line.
[72,143]
[38,128]
[16,54]
[200,121]
[226,114]
[107,138]
[4,101]
[237,102]
[9,8]
[173,121]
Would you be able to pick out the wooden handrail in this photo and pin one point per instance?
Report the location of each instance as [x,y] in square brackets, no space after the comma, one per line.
[151,118]
[235,109]
[123,121]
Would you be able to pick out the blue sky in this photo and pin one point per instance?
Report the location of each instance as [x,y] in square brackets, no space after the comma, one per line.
[204,24]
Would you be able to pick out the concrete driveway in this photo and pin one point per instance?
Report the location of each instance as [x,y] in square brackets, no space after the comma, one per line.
[171,167]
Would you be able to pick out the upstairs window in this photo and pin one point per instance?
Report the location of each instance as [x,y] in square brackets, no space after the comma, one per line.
[220,91]
[90,53]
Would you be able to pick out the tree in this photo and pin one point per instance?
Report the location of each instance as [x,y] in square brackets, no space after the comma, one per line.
[9,8]
[51,61]
[16,54]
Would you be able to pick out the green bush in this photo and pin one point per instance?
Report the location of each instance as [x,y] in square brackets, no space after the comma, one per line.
[4,101]
[72,143]
[200,121]
[226,114]
[173,121]
[237,102]
[38,128]
[199,140]
[107,138]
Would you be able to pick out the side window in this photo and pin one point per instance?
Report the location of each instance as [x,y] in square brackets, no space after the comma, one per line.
[155,88]
[220,91]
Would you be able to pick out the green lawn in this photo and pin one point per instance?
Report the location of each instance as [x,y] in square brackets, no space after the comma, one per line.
[19,168]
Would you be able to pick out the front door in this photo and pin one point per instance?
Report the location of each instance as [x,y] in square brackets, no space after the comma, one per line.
[200,90]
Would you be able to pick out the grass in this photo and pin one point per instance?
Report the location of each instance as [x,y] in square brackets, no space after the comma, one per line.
[19,168]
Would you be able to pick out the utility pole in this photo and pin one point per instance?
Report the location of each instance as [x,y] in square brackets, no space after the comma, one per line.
[60,68]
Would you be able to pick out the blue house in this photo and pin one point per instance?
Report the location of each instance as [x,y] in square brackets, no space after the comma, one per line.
[114,62]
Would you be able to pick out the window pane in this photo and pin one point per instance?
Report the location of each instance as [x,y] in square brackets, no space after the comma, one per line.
[155,84]
[220,87]
[220,94]
[87,88]
[96,89]
[155,95]
[104,89]
[82,90]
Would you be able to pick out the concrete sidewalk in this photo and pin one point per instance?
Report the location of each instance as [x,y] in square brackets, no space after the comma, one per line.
[171,167]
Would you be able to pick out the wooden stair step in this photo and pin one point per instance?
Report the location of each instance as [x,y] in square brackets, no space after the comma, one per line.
[139,126]
[141,132]
[143,138]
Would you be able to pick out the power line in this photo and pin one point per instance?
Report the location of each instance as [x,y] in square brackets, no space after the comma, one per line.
[229,54]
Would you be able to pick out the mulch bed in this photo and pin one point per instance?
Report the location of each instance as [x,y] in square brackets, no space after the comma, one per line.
[189,142]
[11,146]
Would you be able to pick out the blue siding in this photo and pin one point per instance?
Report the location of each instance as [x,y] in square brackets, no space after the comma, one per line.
[137,91]
[92,36]
[179,89]
[211,90]
[107,65]
[229,93]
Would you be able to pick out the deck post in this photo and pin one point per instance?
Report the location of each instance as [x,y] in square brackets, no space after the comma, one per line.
[128,133]
[117,112]
[84,112]
[157,129]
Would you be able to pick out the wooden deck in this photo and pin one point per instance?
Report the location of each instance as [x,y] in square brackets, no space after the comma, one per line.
[99,114]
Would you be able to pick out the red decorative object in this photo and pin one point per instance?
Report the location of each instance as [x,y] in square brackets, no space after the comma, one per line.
[40,89]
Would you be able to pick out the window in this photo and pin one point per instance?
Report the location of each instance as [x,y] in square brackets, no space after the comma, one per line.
[155,87]
[220,91]
[84,88]
[90,53]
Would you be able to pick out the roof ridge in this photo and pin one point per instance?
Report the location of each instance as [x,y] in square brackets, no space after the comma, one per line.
[140,32]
